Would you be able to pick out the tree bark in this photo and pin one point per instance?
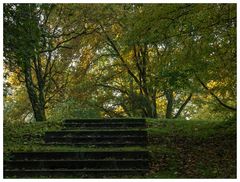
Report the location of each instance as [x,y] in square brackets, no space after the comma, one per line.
[36,102]
[169,97]
[154,104]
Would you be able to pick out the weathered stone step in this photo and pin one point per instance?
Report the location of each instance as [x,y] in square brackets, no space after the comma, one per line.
[78,164]
[72,173]
[80,155]
[106,120]
[104,125]
[94,139]
[100,144]
[99,133]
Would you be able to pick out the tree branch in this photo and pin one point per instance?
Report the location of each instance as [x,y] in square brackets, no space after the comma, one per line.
[59,45]
[219,101]
[120,56]
[183,106]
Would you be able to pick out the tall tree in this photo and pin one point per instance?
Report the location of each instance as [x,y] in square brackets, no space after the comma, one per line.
[34,36]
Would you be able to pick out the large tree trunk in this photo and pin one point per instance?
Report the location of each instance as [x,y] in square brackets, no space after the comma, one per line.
[148,93]
[36,102]
[149,108]
[40,114]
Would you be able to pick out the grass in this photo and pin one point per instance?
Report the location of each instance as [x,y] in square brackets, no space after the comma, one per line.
[192,149]
[49,148]
[198,129]
[178,148]
[19,136]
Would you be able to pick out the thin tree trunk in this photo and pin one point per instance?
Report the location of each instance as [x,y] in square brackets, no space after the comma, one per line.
[41,85]
[169,97]
[183,106]
[154,104]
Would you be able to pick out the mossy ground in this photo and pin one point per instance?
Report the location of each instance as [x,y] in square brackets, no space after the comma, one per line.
[178,148]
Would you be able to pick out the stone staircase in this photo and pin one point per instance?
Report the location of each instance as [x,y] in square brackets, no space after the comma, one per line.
[115,135]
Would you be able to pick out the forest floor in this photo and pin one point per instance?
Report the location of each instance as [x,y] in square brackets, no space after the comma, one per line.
[192,149]
[178,148]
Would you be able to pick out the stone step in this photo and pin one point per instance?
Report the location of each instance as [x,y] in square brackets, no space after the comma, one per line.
[94,139]
[72,173]
[78,164]
[106,120]
[99,133]
[80,155]
[100,144]
[103,125]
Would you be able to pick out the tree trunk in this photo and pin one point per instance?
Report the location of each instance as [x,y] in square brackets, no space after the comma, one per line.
[169,97]
[40,114]
[154,104]
[183,106]
[37,104]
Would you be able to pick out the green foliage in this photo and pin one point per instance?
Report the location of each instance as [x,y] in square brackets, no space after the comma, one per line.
[15,110]
[122,59]
[21,33]
[70,108]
